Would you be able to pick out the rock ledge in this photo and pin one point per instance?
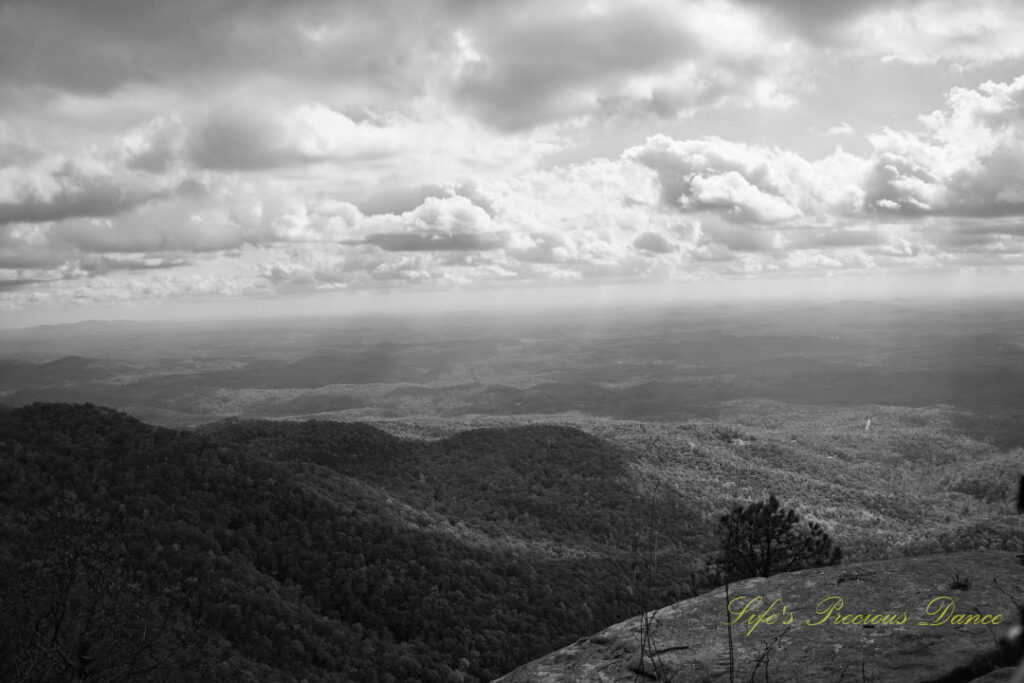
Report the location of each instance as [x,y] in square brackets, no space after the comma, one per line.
[807,642]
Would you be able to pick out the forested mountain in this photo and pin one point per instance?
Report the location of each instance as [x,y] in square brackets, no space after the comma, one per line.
[540,484]
[312,551]
[336,551]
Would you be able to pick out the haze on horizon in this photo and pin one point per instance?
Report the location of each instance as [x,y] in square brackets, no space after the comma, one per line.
[952,291]
[213,159]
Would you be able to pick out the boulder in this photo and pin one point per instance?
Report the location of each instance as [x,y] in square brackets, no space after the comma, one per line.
[943,618]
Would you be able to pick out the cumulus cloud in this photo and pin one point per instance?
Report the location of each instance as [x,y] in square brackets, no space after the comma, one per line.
[267,213]
[156,150]
[572,223]
[746,183]
[99,264]
[551,63]
[538,247]
[110,43]
[398,199]
[10,284]
[930,31]
[514,65]
[841,129]
[346,267]
[198,219]
[246,139]
[653,242]
[967,161]
[155,146]
[455,214]
[158,230]
[57,189]
[434,241]
[663,209]
[452,223]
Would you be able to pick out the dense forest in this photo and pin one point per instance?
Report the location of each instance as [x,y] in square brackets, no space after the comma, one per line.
[316,551]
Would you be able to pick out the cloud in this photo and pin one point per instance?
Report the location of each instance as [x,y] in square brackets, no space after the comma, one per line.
[739,198]
[967,161]
[248,139]
[346,267]
[572,224]
[225,216]
[841,129]
[110,43]
[156,146]
[538,247]
[453,214]
[99,264]
[158,229]
[546,65]
[819,18]
[556,63]
[931,31]
[14,150]
[23,256]
[997,238]
[739,238]
[913,31]
[434,241]
[10,284]
[513,65]
[57,189]
[654,243]
[219,151]
[452,223]
[58,276]
[398,199]
[834,238]
[747,183]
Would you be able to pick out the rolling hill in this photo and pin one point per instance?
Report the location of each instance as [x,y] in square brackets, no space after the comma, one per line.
[337,551]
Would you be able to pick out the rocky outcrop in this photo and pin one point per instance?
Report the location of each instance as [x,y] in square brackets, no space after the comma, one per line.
[939,618]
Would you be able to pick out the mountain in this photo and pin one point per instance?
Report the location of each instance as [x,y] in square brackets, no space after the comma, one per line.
[308,551]
[547,483]
[336,551]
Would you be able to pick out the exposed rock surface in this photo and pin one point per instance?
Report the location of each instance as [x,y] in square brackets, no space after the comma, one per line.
[998,676]
[693,640]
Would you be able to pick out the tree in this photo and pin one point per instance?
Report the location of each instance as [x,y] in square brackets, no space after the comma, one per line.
[71,608]
[764,538]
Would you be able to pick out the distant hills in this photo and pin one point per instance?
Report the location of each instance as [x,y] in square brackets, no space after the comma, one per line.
[671,364]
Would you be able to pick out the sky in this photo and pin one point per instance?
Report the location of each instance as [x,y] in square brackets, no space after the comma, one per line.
[220,156]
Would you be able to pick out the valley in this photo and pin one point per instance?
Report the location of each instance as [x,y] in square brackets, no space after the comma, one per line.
[446,498]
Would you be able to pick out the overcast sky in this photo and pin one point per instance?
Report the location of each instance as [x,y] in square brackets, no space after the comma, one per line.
[261,154]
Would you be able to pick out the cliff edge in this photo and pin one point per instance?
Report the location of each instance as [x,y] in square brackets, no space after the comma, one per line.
[938,618]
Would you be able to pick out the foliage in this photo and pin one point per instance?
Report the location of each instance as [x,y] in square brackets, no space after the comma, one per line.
[991,479]
[539,482]
[764,538]
[74,610]
[280,552]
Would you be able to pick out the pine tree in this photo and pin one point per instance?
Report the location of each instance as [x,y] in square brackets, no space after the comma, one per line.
[764,538]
